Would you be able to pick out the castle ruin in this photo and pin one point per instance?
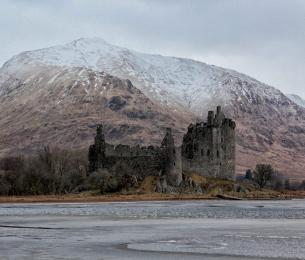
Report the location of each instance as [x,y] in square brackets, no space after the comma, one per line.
[144,161]
[208,149]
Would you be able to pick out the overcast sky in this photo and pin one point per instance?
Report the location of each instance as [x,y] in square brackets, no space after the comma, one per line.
[262,38]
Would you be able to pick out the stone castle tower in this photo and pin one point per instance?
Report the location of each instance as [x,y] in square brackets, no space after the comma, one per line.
[97,151]
[208,148]
[172,159]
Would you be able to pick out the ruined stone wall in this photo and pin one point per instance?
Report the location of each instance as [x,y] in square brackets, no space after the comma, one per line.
[209,147]
[140,166]
[141,161]
[131,151]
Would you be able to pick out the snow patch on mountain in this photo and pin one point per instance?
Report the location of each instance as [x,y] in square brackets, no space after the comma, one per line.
[65,88]
[169,80]
[297,99]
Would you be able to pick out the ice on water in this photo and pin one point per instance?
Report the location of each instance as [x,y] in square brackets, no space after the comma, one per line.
[154,230]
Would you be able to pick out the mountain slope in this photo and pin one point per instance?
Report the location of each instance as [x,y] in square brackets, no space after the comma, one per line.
[296,99]
[271,127]
[169,80]
[61,107]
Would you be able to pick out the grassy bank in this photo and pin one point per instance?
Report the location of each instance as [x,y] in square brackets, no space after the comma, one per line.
[93,197]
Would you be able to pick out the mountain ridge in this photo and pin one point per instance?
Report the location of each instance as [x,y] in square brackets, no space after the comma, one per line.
[297,99]
[270,125]
[140,68]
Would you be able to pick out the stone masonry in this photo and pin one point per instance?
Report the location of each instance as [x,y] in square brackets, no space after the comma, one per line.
[208,149]
[144,161]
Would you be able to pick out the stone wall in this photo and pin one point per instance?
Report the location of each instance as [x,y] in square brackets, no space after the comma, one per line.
[131,151]
[208,148]
[142,161]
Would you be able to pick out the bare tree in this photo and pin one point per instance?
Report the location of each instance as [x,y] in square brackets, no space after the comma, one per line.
[262,174]
[51,171]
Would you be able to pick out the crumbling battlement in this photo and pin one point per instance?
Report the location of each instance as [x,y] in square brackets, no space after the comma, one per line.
[131,151]
[144,161]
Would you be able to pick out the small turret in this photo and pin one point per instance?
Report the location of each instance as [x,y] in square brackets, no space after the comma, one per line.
[210,117]
[96,155]
[99,138]
[219,116]
[218,109]
[172,160]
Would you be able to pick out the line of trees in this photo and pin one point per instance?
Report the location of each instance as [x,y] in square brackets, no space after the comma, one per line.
[264,175]
[55,171]
[50,172]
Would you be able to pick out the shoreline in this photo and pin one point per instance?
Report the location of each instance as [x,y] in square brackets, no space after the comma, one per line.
[71,198]
[89,198]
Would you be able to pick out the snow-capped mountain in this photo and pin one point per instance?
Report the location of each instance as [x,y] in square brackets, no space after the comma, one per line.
[61,106]
[168,80]
[47,87]
[296,99]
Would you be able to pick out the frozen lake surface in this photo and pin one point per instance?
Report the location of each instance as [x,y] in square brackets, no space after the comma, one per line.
[154,230]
